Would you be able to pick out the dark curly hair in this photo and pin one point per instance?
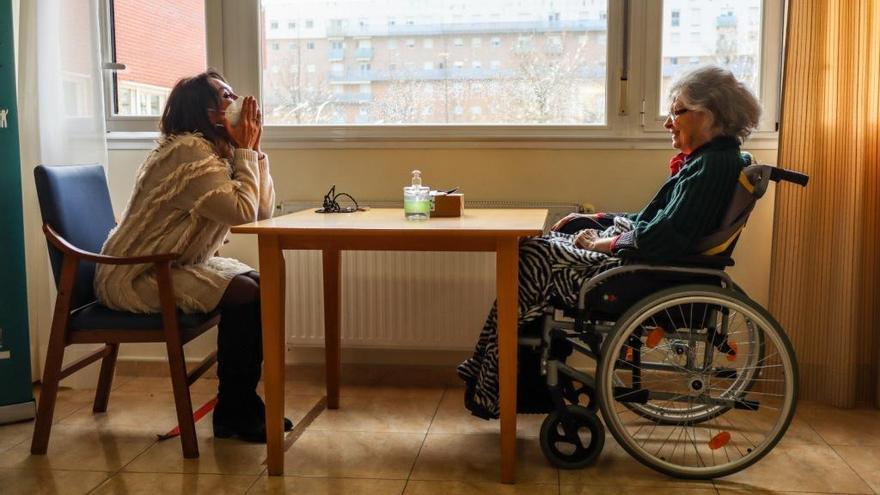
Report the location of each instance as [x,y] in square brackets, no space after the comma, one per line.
[186,111]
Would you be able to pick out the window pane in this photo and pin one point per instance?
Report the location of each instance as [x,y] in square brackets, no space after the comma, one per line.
[434,62]
[721,33]
[159,42]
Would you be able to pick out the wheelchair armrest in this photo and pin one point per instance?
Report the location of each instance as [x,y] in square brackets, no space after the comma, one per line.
[67,248]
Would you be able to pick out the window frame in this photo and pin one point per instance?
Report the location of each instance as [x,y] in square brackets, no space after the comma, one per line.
[770,64]
[233,30]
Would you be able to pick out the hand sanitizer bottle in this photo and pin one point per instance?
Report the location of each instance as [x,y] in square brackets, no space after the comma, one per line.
[416,199]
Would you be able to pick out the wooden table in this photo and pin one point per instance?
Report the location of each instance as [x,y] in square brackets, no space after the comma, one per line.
[384,230]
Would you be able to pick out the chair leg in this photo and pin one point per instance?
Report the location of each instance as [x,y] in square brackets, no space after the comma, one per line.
[174,344]
[48,394]
[105,379]
[182,400]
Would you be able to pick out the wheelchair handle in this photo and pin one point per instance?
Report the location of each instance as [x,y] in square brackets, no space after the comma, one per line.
[780,174]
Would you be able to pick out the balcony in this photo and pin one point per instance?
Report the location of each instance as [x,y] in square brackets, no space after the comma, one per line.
[363,54]
[726,21]
[335,54]
[451,74]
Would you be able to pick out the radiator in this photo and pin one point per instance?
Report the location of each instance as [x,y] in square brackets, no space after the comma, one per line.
[399,300]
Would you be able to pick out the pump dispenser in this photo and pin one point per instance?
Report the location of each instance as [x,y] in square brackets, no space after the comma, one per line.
[416,199]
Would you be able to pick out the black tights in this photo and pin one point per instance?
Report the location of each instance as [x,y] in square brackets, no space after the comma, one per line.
[239,341]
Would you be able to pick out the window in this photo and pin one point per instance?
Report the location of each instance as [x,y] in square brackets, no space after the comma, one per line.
[472,55]
[141,41]
[273,25]
[716,37]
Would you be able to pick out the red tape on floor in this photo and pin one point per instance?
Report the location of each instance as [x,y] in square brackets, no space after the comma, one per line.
[198,415]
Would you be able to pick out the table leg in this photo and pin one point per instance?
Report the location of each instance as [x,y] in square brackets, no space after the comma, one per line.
[332,317]
[272,274]
[507,272]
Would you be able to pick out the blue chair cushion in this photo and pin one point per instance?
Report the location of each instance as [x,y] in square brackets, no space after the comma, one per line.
[96,316]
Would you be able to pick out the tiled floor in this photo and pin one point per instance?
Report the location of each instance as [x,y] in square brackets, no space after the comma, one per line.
[398,431]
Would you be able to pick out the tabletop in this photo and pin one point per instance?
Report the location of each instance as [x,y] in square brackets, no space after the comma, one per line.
[506,222]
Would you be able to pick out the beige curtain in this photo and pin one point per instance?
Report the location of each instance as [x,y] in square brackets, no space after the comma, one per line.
[825,269]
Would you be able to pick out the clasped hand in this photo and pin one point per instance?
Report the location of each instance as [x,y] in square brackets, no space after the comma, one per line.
[247,132]
[589,239]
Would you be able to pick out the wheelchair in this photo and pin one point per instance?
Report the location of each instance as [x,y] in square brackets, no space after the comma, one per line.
[692,377]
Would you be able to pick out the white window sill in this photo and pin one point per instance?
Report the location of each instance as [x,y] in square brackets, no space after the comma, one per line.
[440,138]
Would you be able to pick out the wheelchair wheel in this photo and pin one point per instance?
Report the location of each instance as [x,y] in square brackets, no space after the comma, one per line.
[749,349]
[722,407]
[572,439]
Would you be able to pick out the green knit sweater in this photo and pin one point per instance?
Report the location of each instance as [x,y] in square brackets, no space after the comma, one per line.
[690,204]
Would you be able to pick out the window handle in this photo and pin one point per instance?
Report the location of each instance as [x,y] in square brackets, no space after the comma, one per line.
[113,66]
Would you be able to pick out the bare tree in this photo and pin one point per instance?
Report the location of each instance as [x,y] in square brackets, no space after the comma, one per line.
[400,104]
[548,80]
[297,98]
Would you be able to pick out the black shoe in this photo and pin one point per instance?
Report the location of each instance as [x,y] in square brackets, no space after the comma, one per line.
[260,408]
[248,424]
[248,433]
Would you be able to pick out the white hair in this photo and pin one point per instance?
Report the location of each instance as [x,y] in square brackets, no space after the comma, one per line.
[733,109]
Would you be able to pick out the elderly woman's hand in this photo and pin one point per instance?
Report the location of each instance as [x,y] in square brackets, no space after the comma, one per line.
[589,239]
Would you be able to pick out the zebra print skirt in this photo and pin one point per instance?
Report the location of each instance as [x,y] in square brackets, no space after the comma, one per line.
[550,266]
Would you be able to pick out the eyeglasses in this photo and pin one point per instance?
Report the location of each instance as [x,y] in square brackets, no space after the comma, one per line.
[330,204]
[674,114]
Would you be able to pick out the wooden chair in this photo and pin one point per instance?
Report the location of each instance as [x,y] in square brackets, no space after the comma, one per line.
[77,217]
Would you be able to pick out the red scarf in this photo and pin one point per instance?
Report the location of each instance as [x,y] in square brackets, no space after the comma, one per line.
[676,163]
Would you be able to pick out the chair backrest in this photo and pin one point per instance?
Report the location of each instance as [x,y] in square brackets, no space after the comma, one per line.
[75,202]
[753,181]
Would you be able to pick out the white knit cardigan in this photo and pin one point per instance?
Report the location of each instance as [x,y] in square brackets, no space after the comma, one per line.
[184,201]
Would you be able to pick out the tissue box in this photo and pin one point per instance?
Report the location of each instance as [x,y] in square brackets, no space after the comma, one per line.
[448,205]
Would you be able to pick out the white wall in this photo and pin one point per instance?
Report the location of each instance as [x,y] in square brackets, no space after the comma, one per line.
[611,180]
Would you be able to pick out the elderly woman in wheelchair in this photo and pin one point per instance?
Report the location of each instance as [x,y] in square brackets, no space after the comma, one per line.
[692,377]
